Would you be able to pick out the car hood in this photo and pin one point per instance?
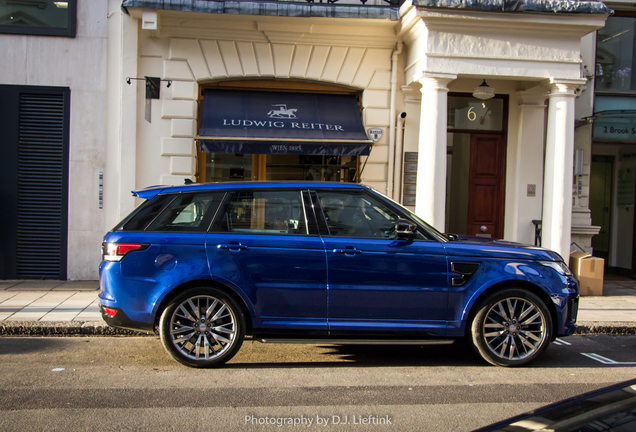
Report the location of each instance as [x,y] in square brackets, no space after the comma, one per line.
[491,248]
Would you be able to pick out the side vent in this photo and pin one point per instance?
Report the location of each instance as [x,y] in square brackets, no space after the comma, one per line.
[465,270]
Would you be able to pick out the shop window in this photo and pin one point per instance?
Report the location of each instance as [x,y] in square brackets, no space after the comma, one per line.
[38,17]
[312,168]
[228,167]
[615,55]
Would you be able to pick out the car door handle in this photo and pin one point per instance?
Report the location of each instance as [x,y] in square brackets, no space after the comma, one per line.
[348,251]
[234,247]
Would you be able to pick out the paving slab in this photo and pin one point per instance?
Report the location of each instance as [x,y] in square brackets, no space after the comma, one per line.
[78,286]
[35,285]
[58,316]
[22,299]
[6,295]
[7,284]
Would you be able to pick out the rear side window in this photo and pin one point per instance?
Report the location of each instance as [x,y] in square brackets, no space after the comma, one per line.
[267,212]
[189,212]
[144,214]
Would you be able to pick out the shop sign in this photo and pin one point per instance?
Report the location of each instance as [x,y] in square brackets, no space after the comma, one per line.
[615,131]
[276,115]
[375,134]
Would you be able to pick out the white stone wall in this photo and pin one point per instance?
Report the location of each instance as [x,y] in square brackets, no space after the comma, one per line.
[80,64]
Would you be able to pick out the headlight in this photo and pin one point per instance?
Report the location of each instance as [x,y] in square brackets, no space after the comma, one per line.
[559,266]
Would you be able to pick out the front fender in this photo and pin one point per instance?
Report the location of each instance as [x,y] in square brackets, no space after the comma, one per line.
[496,273]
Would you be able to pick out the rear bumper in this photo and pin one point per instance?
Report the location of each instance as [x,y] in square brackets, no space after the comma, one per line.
[121,320]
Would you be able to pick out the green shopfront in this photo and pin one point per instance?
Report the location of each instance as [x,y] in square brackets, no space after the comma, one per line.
[613,165]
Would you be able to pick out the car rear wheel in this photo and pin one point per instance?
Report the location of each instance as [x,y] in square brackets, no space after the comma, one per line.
[511,328]
[202,327]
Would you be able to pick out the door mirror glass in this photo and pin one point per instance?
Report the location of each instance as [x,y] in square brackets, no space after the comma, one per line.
[405,229]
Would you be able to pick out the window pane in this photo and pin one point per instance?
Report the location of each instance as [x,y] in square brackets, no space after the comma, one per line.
[188,212]
[142,215]
[271,212]
[615,55]
[228,167]
[357,215]
[468,113]
[35,13]
[313,168]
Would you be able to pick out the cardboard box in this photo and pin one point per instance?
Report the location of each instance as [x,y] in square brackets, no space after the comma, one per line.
[589,271]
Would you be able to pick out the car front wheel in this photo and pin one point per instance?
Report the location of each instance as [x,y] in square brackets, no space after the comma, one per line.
[202,327]
[511,328]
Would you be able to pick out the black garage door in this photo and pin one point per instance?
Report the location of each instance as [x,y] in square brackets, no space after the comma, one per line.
[34,137]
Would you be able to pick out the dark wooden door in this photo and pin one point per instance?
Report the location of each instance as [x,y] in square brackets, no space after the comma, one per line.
[601,179]
[486,185]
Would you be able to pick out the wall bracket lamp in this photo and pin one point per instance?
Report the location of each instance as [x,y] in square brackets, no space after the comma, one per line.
[153,91]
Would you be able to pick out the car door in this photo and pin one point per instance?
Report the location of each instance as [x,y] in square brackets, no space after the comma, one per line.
[378,283]
[260,243]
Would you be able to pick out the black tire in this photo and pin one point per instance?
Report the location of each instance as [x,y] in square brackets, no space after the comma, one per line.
[212,319]
[512,327]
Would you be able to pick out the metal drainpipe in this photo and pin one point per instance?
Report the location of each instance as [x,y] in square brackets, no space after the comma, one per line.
[390,189]
[399,159]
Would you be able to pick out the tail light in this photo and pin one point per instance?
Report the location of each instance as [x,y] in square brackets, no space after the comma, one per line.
[110,312]
[116,251]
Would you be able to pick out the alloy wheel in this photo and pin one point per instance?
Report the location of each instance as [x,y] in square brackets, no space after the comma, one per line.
[202,327]
[514,328]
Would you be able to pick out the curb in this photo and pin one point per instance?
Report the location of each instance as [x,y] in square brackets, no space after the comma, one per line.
[64,328]
[99,328]
[606,327]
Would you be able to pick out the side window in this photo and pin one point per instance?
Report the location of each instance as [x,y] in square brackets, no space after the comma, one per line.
[189,212]
[144,214]
[266,212]
[351,214]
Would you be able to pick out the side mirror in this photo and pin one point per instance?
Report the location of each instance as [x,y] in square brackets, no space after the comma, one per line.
[405,229]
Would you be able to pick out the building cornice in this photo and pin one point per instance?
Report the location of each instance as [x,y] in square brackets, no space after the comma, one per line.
[270,8]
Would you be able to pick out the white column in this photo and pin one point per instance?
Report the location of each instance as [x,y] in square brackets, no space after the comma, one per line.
[527,154]
[430,202]
[121,121]
[559,159]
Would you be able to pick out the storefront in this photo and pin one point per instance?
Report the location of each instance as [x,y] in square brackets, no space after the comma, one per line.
[613,165]
[249,132]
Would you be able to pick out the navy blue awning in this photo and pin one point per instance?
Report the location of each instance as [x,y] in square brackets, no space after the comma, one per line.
[239,121]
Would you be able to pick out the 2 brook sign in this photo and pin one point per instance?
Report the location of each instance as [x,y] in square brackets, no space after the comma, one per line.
[614,131]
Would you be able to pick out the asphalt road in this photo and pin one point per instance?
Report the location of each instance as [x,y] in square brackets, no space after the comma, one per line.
[131,384]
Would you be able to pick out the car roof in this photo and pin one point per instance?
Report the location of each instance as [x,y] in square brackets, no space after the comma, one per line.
[152,191]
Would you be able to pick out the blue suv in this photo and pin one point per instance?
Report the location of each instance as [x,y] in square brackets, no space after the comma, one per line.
[306,262]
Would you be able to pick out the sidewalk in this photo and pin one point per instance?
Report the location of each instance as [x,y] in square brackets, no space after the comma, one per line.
[71,307]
